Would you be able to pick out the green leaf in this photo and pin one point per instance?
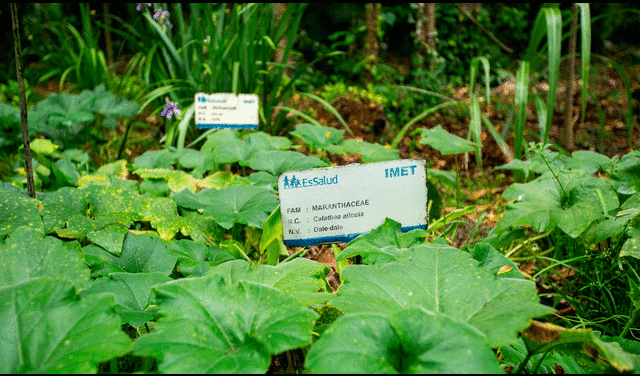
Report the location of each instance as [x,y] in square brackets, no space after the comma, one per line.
[43,146]
[202,229]
[382,244]
[410,341]
[369,152]
[223,328]
[631,247]
[317,137]
[271,241]
[538,203]
[300,277]
[219,138]
[152,159]
[264,141]
[232,151]
[27,254]
[140,254]
[195,259]
[442,280]
[445,142]
[240,204]
[278,161]
[45,328]
[132,293]
[588,161]
[495,261]
[177,180]
[17,209]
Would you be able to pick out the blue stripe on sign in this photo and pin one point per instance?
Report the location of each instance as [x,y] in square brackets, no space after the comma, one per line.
[234,126]
[339,238]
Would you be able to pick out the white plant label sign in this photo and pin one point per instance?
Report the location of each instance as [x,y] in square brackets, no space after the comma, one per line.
[336,204]
[226,110]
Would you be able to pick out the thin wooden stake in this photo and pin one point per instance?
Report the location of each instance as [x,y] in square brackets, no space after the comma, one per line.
[23,101]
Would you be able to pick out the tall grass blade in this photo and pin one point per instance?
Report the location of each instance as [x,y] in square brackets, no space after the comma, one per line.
[302,115]
[554,40]
[184,126]
[502,144]
[475,128]
[585,37]
[331,109]
[521,100]
[541,109]
[474,73]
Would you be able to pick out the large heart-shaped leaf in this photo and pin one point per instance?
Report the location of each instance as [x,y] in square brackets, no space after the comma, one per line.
[264,141]
[279,161]
[195,259]
[442,280]
[231,151]
[27,254]
[572,203]
[410,341]
[140,254]
[223,328]
[132,292]
[241,204]
[302,278]
[45,328]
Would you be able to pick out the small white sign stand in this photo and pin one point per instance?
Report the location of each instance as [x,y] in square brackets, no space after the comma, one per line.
[226,110]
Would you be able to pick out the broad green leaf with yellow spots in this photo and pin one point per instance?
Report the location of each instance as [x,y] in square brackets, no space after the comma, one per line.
[176,179]
[27,254]
[17,209]
[43,146]
[105,173]
[221,179]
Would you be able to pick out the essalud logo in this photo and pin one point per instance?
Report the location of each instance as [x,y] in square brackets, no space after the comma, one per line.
[294,182]
[291,183]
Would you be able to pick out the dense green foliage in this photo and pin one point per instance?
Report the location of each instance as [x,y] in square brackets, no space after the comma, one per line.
[174,260]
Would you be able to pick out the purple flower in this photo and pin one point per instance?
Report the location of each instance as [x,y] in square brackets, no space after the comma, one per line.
[139,6]
[170,109]
[162,15]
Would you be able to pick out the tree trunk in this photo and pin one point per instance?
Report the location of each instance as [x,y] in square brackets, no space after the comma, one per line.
[371,43]
[107,34]
[426,33]
[566,138]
